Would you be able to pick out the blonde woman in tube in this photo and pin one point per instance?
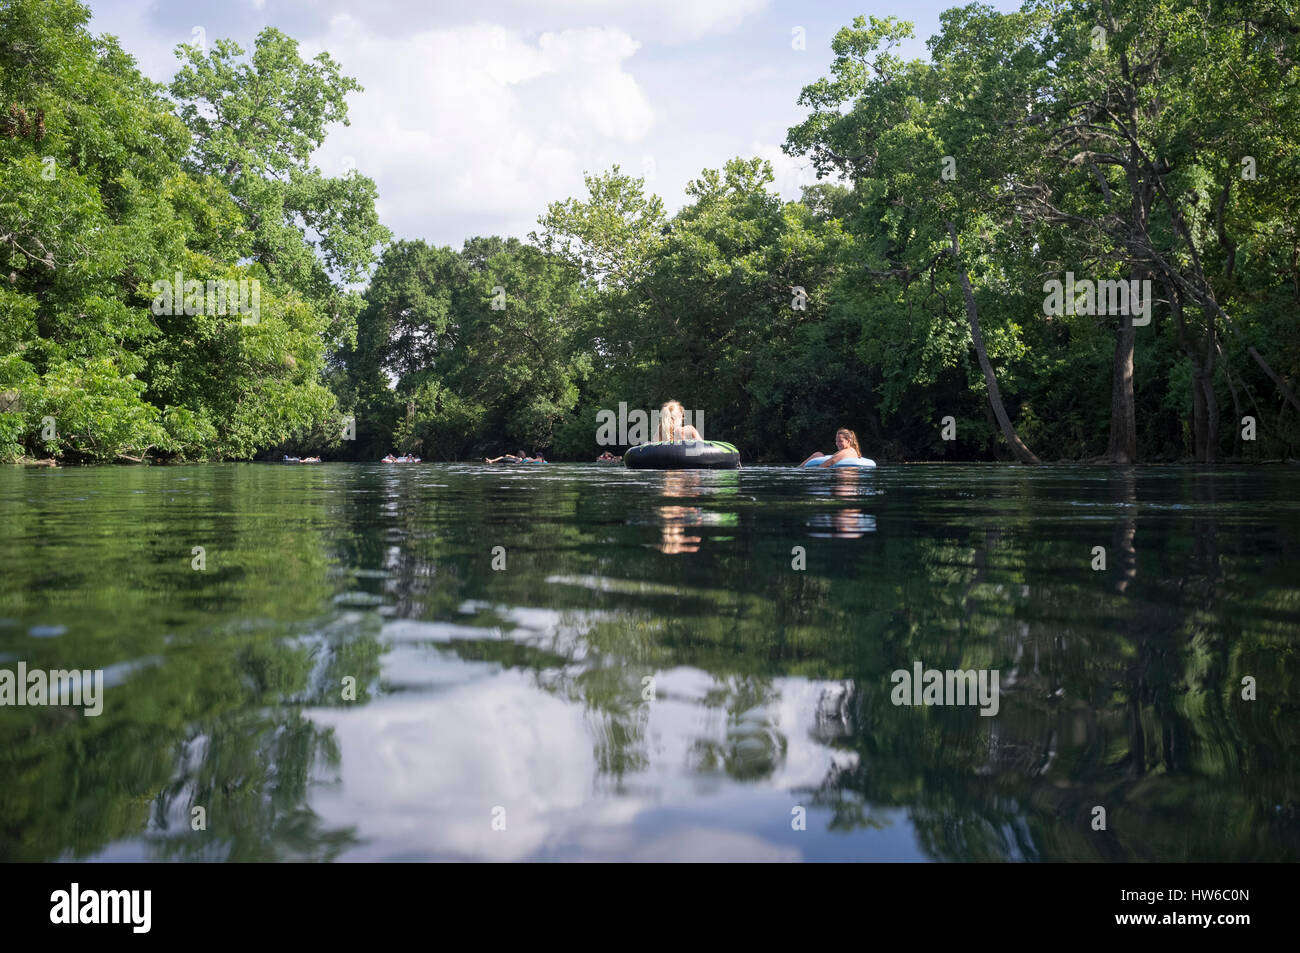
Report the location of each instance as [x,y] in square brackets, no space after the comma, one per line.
[671,428]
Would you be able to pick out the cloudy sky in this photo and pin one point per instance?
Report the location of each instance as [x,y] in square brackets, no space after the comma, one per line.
[478,113]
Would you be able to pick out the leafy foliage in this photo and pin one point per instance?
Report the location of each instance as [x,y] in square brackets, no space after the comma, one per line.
[1144,139]
[108,191]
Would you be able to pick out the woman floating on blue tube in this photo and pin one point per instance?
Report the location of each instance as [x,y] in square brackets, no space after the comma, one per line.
[847,453]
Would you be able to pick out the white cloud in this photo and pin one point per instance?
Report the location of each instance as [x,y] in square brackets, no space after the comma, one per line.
[663,21]
[792,173]
[424,768]
[673,20]
[479,123]
[476,115]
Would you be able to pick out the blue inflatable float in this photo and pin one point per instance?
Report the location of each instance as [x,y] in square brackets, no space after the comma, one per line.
[862,462]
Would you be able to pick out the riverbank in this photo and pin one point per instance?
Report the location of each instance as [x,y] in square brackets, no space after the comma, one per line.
[33,463]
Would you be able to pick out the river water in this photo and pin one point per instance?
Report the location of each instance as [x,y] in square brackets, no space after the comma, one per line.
[369,662]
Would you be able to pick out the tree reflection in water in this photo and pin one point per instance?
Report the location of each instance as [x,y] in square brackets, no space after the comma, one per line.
[771,687]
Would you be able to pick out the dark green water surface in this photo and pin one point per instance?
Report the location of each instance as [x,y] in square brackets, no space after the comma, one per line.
[650,676]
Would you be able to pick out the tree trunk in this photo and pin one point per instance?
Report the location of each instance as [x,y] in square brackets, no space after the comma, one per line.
[1236,410]
[1208,452]
[1022,453]
[1211,420]
[1205,414]
[1205,418]
[1197,422]
[990,418]
[1277,381]
[1205,405]
[1122,447]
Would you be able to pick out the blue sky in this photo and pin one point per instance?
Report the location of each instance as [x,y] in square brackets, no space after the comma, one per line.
[477,114]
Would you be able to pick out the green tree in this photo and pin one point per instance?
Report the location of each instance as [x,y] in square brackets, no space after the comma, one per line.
[461,351]
[897,128]
[255,126]
[100,208]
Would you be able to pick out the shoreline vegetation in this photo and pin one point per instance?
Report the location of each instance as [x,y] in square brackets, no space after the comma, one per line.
[1063,237]
[50,462]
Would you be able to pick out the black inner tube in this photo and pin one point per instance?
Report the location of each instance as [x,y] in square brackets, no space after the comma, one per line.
[683,455]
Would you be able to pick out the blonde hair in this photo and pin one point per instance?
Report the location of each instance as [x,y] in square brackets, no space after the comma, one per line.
[853,439]
[670,415]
